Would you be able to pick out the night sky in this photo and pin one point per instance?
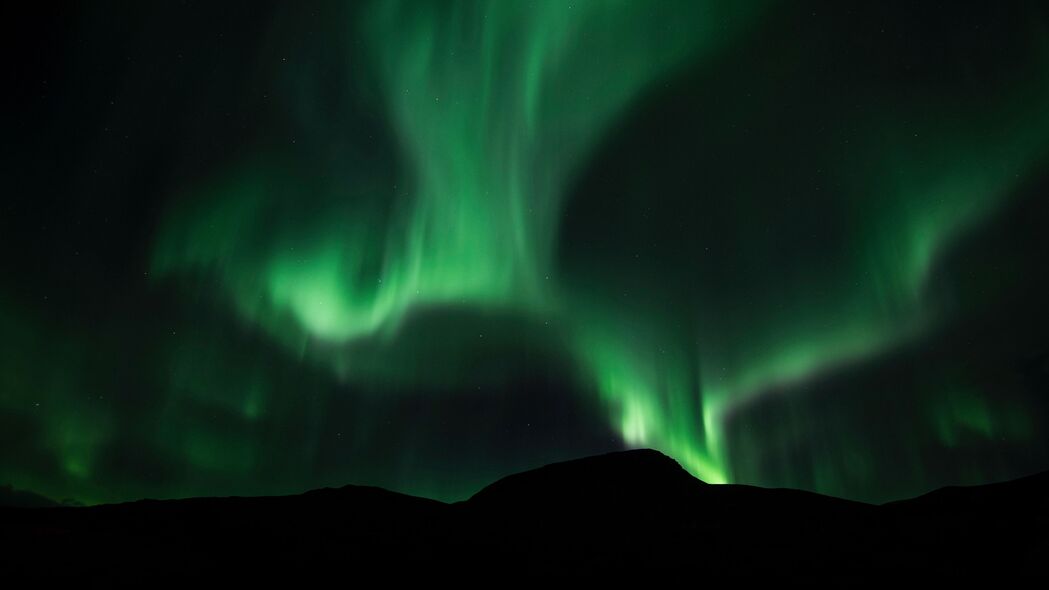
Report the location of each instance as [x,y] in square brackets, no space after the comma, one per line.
[262,247]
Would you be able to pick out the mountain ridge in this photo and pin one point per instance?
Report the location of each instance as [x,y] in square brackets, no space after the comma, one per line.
[604,515]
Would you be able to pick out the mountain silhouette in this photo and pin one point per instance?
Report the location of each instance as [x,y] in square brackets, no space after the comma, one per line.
[599,517]
[9,496]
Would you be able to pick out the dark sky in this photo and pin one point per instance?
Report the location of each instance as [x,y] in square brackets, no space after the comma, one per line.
[258,248]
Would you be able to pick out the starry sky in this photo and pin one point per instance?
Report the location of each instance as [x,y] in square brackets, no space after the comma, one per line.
[261,247]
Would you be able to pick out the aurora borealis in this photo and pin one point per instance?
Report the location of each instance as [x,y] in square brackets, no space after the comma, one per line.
[257,249]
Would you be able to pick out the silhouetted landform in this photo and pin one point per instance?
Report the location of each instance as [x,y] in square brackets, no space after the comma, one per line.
[9,496]
[628,513]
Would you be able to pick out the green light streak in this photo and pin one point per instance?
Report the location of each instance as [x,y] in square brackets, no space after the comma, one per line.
[494,106]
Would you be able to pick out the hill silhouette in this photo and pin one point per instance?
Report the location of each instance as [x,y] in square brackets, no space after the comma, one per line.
[610,515]
[9,496]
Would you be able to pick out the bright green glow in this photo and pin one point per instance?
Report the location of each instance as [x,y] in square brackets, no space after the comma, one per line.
[877,303]
[651,388]
[494,105]
[312,284]
[494,108]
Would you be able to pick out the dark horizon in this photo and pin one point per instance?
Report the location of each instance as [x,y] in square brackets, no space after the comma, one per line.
[11,497]
[619,513]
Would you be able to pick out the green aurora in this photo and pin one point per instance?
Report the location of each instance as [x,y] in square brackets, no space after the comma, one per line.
[474,205]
